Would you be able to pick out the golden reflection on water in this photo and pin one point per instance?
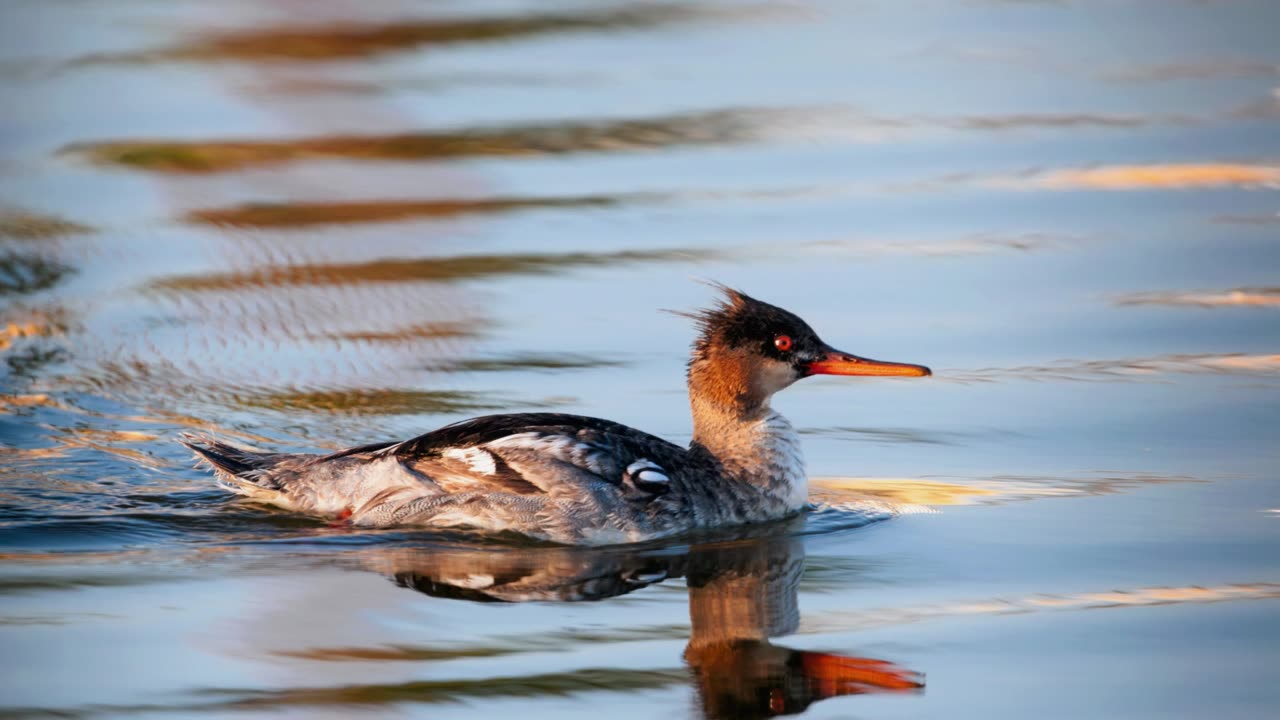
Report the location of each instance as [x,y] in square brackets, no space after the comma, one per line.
[24,225]
[9,402]
[74,431]
[988,490]
[909,491]
[1245,297]
[1147,177]
[109,442]
[443,269]
[34,323]
[301,215]
[363,339]
[371,401]
[356,40]
[717,127]
[1129,369]
[1136,597]
[710,128]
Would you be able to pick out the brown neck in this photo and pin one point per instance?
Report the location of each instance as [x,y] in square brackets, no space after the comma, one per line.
[722,397]
[752,443]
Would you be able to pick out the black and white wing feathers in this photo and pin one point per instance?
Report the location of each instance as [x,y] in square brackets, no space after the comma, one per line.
[541,453]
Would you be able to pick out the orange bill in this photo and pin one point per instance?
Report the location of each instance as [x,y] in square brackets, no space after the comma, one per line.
[835,362]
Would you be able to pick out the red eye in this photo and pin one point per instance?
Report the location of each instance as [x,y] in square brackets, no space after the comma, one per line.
[782,342]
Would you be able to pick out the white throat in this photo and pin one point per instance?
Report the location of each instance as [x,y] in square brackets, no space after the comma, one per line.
[780,445]
[763,452]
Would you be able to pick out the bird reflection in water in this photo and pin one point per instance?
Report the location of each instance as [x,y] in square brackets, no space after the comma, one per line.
[741,593]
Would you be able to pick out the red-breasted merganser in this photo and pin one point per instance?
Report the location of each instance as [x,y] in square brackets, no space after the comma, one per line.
[582,480]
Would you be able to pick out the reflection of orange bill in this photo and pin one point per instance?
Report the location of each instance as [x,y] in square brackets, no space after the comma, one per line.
[835,675]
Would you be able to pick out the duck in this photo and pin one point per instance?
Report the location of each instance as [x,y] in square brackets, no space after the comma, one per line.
[576,480]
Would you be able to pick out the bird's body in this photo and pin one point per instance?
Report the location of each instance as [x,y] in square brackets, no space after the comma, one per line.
[580,480]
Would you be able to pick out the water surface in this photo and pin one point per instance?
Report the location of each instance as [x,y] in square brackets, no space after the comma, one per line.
[307,225]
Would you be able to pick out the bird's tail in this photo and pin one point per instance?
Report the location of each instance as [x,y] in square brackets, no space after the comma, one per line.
[237,469]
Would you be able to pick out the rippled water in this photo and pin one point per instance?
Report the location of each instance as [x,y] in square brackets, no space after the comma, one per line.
[307,225]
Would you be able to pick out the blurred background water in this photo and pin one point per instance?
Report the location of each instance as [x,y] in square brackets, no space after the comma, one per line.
[311,224]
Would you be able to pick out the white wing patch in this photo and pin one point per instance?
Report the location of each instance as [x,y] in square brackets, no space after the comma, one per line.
[653,476]
[647,471]
[478,459]
[646,476]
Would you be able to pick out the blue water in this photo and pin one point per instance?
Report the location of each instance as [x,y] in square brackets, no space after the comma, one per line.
[308,225]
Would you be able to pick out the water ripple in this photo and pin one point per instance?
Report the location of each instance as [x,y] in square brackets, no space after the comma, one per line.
[1239,297]
[304,215]
[705,128]
[1136,597]
[350,40]
[1128,369]
[432,269]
